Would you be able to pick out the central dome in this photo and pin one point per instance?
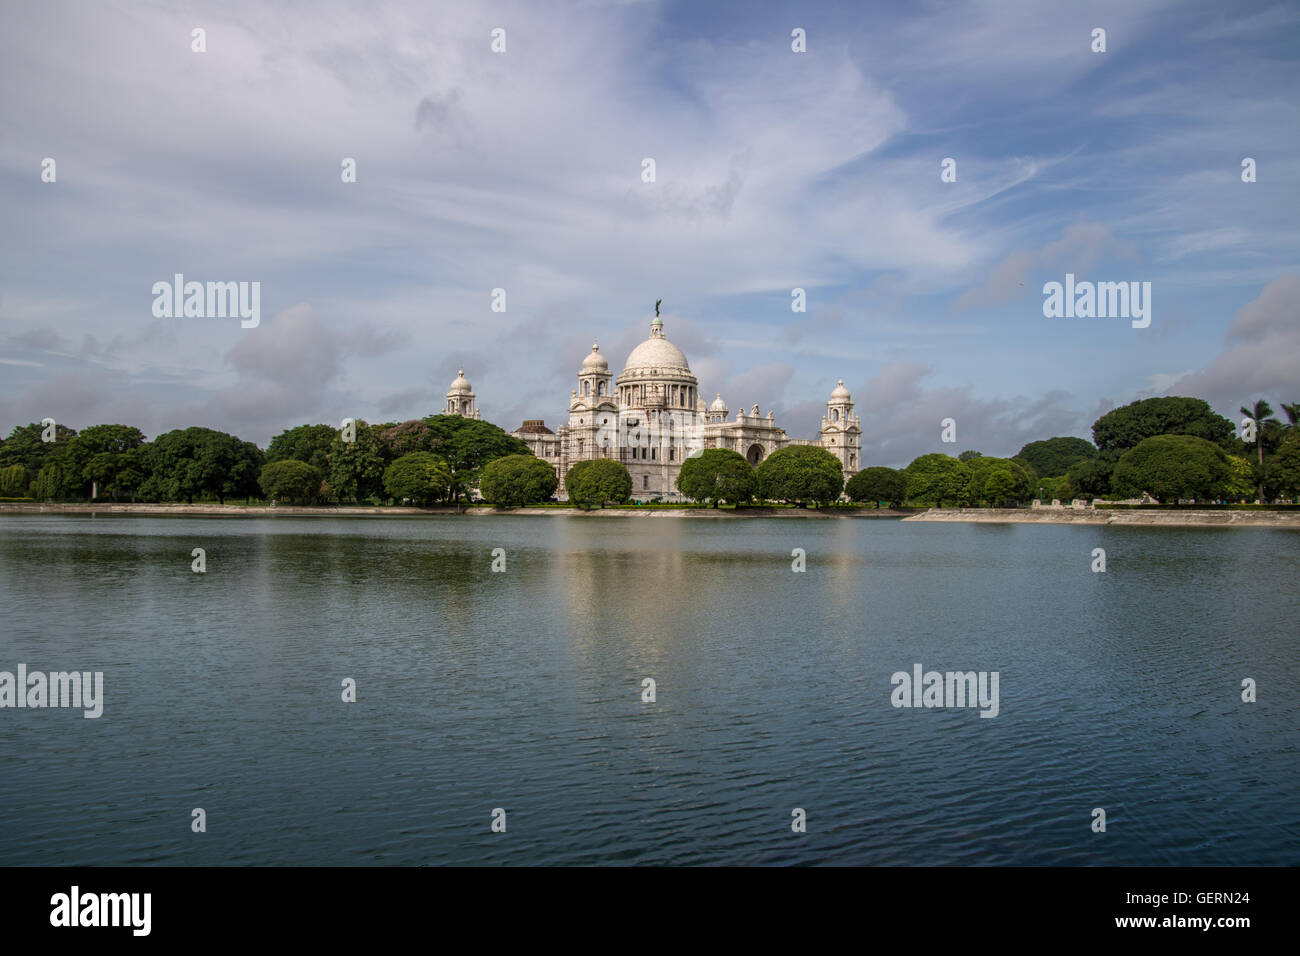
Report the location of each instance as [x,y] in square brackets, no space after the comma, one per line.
[656,352]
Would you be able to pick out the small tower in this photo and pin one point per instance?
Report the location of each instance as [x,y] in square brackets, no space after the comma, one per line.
[460,398]
[841,431]
[594,377]
[718,411]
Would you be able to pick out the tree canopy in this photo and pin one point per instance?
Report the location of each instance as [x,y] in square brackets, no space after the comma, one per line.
[1282,473]
[1170,467]
[356,468]
[717,474]
[517,480]
[108,457]
[309,443]
[24,447]
[937,479]
[595,483]
[190,462]
[292,479]
[1053,457]
[465,445]
[1126,427]
[420,477]
[878,484]
[997,481]
[800,473]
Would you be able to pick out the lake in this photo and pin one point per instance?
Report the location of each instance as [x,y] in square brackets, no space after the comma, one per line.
[522,690]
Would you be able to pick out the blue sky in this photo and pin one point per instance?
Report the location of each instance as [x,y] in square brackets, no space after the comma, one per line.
[522,171]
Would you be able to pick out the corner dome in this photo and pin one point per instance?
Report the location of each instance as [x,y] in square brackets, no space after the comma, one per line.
[595,361]
[461,384]
[718,404]
[840,391]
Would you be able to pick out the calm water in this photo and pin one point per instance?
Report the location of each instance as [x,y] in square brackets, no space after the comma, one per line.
[522,690]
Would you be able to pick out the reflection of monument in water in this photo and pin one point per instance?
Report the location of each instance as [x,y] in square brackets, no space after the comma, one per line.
[652,417]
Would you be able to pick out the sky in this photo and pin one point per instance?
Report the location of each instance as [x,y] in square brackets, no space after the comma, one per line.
[522,170]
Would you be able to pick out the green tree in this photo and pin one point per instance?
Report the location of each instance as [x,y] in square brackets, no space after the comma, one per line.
[309,443]
[1053,457]
[968,455]
[1243,482]
[1126,427]
[193,462]
[717,474]
[595,483]
[936,479]
[405,437]
[1282,474]
[241,480]
[115,474]
[1055,489]
[25,447]
[356,468]
[1091,478]
[1292,413]
[50,482]
[517,480]
[420,477]
[13,481]
[464,444]
[1262,415]
[292,479]
[998,481]
[878,484]
[97,455]
[1170,467]
[800,473]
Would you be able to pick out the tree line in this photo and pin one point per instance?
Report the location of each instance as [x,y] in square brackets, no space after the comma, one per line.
[1170,448]
[429,460]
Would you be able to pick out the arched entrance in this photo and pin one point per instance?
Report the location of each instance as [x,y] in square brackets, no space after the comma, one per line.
[755,453]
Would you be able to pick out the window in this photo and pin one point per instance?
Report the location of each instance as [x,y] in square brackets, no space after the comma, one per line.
[586,388]
[671,456]
[645,482]
[654,453]
[579,446]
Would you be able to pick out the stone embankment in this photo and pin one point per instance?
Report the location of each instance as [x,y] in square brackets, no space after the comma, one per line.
[1093,516]
[344,511]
